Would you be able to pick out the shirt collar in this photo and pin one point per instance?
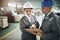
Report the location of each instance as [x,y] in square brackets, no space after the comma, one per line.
[49,13]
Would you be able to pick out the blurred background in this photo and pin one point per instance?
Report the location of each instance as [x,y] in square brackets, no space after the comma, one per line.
[11,12]
[15,6]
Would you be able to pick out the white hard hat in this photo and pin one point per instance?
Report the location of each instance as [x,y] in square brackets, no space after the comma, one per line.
[27,5]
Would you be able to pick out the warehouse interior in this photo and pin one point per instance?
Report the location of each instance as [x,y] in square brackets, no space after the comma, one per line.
[11,11]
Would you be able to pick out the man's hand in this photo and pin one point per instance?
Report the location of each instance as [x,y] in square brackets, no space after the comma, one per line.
[39,32]
[35,31]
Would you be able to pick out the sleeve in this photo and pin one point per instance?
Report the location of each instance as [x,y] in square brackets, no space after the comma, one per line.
[58,23]
[36,22]
[23,26]
[53,29]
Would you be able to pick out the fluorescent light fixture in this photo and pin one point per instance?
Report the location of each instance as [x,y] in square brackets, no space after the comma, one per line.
[18,5]
[12,4]
[2,8]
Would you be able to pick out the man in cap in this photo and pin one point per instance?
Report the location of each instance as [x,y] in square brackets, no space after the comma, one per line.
[49,25]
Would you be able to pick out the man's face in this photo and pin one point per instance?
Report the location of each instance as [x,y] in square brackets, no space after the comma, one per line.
[46,10]
[28,11]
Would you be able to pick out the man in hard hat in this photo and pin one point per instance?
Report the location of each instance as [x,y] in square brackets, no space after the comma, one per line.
[28,21]
[49,25]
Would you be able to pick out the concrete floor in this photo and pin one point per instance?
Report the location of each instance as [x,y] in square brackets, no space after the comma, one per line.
[14,36]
